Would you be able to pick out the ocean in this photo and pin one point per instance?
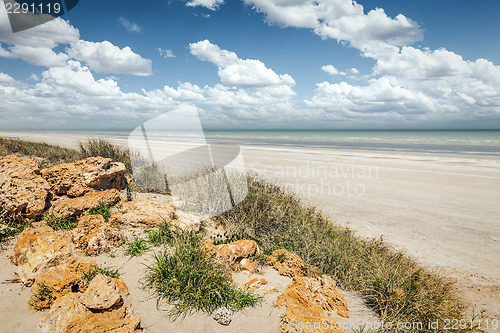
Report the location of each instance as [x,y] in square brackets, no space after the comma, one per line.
[474,142]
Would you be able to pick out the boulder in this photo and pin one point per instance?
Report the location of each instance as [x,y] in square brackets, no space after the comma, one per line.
[36,250]
[304,302]
[22,189]
[286,263]
[77,206]
[58,281]
[142,213]
[223,316]
[78,178]
[101,294]
[237,250]
[94,236]
[68,314]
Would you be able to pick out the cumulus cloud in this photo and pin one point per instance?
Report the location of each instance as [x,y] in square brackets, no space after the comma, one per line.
[237,72]
[343,20]
[105,57]
[166,53]
[210,4]
[331,70]
[129,26]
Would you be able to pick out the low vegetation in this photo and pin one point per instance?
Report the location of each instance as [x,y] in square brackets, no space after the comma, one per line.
[161,234]
[60,222]
[112,272]
[136,247]
[11,225]
[188,278]
[103,210]
[393,284]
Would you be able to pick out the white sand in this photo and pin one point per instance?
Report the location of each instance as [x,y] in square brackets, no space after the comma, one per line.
[442,210]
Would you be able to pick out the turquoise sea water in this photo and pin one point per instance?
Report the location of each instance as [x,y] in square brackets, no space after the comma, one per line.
[439,142]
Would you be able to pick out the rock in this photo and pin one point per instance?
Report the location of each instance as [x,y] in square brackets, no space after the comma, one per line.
[58,281]
[76,206]
[94,236]
[248,265]
[63,314]
[142,213]
[255,283]
[304,301]
[22,189]
[237,250]
[78,178]
[286,263]
[223,316]
[67,314]
[37,250]
[101,294]
[121,285]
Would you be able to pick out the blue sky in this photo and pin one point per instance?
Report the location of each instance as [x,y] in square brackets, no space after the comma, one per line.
[257,64]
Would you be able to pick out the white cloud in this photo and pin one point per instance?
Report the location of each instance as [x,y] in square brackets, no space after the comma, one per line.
[166,53]
[105,57]
[237,72]
[344,20]
[210,4]
[129,26]
[331,70]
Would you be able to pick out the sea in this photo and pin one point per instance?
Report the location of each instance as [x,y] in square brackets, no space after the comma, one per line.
[463,142]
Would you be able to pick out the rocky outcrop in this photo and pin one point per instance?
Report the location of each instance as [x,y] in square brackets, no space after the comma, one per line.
[94,236]
[22,189]
[77,206]
[58,281]
[235,254]
[36,250]
[286,263]
[101,294]
[310,304]
[68,314]
[78,178]
[142,213]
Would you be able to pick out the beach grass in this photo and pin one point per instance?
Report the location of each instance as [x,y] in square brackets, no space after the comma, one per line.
[187,277]
[110,271]
[394,285]
[136,247]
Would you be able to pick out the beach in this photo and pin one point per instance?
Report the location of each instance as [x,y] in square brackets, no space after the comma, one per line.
[439,207]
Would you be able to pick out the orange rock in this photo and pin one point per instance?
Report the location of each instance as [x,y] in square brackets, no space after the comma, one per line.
[37,250]
[94,236]
[121,285]
[22,190]
[101,294]
[76,206]
[286,263]
[67,314]
[78,178]
[235,254]
[306,308]
[142,213]
[255,283]
[59,281]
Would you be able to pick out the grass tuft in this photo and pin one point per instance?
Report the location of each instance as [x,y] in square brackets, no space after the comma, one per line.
[192,281]
[103,210]
[162,234]
[108,271]
[60,223]
[136,247]
[11,225]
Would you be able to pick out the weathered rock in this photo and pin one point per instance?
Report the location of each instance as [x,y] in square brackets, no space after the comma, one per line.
[94,236]
[248,265]
[121,285]
[237,250]
[286,263]
[142,213]
[223,316]
[37,250]
[76,206]
[22,190]
[306,309]
[255,283]
[58,281]
[78,178]
[101,294]
[67,314]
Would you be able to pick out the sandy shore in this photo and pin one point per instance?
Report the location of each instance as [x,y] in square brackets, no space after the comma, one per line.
[441,209]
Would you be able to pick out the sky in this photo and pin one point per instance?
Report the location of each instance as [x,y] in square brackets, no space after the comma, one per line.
[256,65]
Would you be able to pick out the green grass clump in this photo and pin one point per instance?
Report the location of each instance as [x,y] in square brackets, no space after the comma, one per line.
[43,294]
[136,247]
[394,285]
[11,225]
[188,278]
[61,222]
[103,210]
[162,234]
[108,271]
